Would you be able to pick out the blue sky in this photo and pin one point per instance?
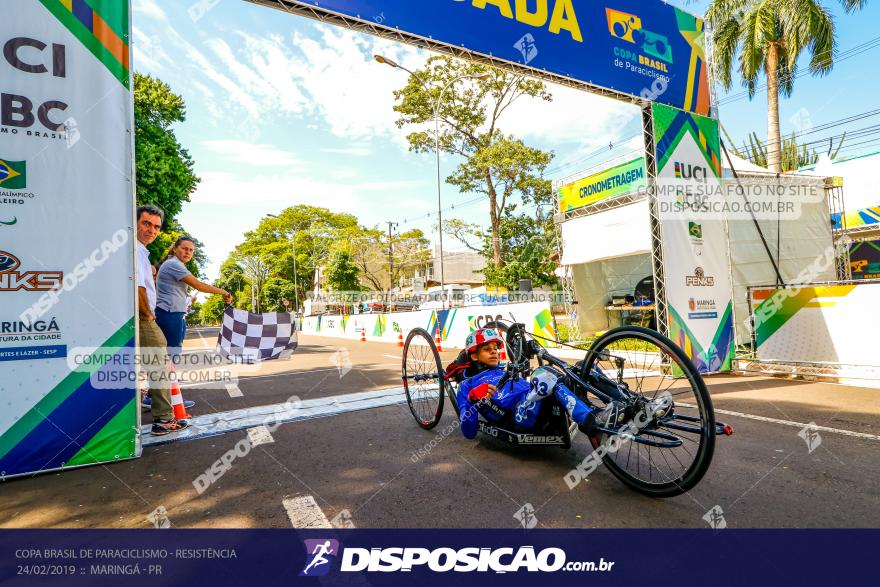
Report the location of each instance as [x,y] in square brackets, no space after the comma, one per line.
[285,111]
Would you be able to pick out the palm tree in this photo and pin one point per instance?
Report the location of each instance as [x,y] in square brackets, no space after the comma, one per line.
[769,36]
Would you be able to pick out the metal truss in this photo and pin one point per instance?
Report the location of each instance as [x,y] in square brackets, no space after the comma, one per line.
[661,311]
[601,206]
[839,238]
[387,32]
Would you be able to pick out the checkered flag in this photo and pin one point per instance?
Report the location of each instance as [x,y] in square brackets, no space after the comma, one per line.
[259,337]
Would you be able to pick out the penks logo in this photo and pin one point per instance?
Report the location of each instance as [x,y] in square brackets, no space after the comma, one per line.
[628,27]
[699,279]
[320,554]
[13,174]
[12,280]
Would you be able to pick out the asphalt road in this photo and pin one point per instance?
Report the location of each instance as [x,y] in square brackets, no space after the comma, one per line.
[360,467]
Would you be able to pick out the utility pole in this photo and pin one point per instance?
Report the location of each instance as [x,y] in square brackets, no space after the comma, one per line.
[391,226]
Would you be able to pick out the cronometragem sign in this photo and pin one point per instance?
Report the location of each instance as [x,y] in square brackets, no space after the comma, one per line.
[66,244]
[642,48]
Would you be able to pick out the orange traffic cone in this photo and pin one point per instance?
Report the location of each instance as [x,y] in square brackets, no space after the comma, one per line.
[177,397]
[364,334]
[400,338]
[437,339]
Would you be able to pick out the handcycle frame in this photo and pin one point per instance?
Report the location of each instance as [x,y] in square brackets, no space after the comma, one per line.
[561,428]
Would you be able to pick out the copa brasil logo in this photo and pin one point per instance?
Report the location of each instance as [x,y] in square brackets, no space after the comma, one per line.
[656,52]
[13,174]
[13,280]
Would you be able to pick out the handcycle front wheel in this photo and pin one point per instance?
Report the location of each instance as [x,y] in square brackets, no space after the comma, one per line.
[669,455]
[423,378]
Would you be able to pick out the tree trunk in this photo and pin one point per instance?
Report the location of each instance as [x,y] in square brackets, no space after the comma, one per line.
[496,224]
[774,137]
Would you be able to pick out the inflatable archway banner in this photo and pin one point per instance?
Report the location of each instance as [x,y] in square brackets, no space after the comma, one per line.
[648,49]
[66,242]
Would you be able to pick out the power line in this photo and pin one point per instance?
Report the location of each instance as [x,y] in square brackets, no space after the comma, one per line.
[842,56]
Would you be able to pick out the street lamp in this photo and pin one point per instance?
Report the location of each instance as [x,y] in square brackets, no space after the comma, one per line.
[436,106]
[295,279]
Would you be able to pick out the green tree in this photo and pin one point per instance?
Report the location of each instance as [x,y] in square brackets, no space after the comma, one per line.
[342,273]
[793,155]
[164,169]
[275,291]
[161,247]
[368,249]
[165,175]
[313,232]
[469,116]
[528,244]
[212,310]
[769,36]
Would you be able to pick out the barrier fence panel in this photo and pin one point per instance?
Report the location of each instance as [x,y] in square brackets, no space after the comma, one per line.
[817,324]
[453,324]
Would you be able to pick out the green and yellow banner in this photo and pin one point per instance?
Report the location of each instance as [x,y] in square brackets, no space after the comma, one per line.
[620,180]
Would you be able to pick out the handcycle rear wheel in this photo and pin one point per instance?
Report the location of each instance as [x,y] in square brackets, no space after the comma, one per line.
[423,378]
[650,365]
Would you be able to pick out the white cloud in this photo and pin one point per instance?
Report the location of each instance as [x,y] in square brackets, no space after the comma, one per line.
[350,151]
[228,188]
[573,117]
[148,8]
[253,154]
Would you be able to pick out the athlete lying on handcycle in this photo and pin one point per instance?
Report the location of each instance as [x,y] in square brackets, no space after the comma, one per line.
[478,373]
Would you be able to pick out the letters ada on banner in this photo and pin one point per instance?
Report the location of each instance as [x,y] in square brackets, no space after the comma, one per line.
[695,262]
[643,48]
[64,285]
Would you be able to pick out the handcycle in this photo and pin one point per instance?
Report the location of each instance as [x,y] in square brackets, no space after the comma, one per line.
[666,440]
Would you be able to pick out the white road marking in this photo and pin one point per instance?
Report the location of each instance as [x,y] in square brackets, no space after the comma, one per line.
[392,356]
[260,435]
[322,407]
[304,512]
[286,373]
[233,390]
[791,423]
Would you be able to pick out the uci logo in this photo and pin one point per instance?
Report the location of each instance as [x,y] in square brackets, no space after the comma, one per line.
[687,171]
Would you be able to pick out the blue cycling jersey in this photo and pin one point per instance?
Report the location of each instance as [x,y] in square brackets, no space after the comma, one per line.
[518,396]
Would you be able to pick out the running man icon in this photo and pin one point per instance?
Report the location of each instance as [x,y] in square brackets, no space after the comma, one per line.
[320,553]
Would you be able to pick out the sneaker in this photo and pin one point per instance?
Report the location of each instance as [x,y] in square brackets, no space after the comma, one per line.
[163,427]
[611,416]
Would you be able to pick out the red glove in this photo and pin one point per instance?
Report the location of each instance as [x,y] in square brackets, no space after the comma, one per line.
[479,392]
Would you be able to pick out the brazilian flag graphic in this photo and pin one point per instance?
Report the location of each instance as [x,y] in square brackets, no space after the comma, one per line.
[13,174]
